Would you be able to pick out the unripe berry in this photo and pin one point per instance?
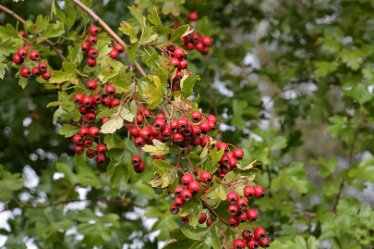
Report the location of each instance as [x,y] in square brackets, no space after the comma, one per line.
[22,52]
[85,46]
[93,53]
[193,16]
[179,53]
[187,179]
[110,89]
[206,177]
[119,48]
[233,209]
[139,142]
[194,187]
[100,158]
[259,233]
[196,116]
[94,131]
[239,244]
[17,59]
[232,197]
[35,71]
[177,137]
[113,54]
[47,75]
[259,191]
[91,62]
[25,72]
[202,218]
[34,55]
[94,30]
[173,209]
[178,190]
[178,202]
[42,66]
[101,148]
[186,195]
[90,153]
[263,242]
[92,40]
[249,191]
[78,149]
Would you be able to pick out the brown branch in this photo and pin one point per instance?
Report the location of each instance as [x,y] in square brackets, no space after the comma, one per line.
[21,20]
[108,30]
[350,164]
[214,213]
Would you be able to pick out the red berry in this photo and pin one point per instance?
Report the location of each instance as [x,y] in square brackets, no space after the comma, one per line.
[159,124]
[83,131]
[239,244]
[204,140]
[77,139]
[106,101]
[186,195]
[113,54]
[173,209]
[242,217]
[182,64]
[92,40]
[134,132]
[90,153]
[205,127]
[194,187]
[35,71]
[139,142]
[178,190]
[202,218]
[22,33]
[105,120]
[246,234]
[206,40]
[34,55]
[242,203]
[199,47]
[42,66]
[233,209]
[136,160]
[187,179]
[193,16]
[119,48]
[252,215]
[196,116]
[178,137]
[263,242]
[178,202]
[17,59]
[91,62]
[205,51]
[233,221]
[100,158]
[206,177]
[174,125]
[259,191]
[190,45]
[222,146]
[110,89]
[139,118]
[93,53]
[78,149]
[232,162]
[22,52]
[238,153]
[145,133]
[87,101]
[25,72]
[252,244]
[179,53]
[87,143]
[249,191]
[94,30]
[166,133]
[83,110]
[97,99]
[140,168]
[94,131]
[182,123]
[47,75]
[101,148]
[259,233]
[89,117]
[85,46]
[196,130]
[211,118]
[114,102]
[208,222]
[232,197]
[174,61]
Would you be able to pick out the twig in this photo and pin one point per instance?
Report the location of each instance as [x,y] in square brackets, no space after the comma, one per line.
[21,20]
[108,30]
[214,212]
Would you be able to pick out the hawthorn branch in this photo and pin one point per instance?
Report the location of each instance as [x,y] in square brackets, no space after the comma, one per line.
[206,205]
[108,30]
[21,20]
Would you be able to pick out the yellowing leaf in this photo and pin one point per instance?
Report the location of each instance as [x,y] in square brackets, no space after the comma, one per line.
[158,148]
[112,125]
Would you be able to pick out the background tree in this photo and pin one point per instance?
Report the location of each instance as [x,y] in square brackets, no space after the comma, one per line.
[291,82]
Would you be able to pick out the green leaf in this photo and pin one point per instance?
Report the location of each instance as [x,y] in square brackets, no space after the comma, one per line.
[112,125]
[138,16]
[158,148]
[352,58]
[68,130]
[195,234]
[187,84]
[154,18]
[9,183]
[324,68]
[162,165]
[278,143]
[23,82]
[127,29]
[327,166]
[153,91]
[126,114]
[179,32]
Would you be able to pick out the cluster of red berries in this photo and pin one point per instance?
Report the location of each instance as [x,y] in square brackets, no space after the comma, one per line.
[239,210]
[88,107]
[87,46]
[27,54]
[179,60]
[194,40]
[116,50]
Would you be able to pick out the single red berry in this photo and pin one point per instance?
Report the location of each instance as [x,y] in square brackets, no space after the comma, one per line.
[232,197]
[22,52]
[206,40]
[100,158]
[17,59]
[174,125]
[186,195]
[89,117]
[202,218]
[238,153]
[77,139]
[178,202]
[139,118]
[113,54]
[87,143]
[166,133]
[87,101]
[196,116]
[34,55]
[178,190]
[93,53]
[97,99]
[106,101]
[47,75]
[239,244]
[187,179]
[199,47]
[154,132]
[159,124]
[140,168]
[206,177]
[85,46]
[211,118]
[196,130]
[179,53]
[83,131]
[233,221]
[94,30]
[105,120]
[195,38]
[233,209]
[83,110]
[208,222]
[252,244]
[249,191]
[196,141]
[222,146]
[194,187]
[190,46]
[35,71]
[204,140]
[259,233]
[173,209]
[101,148]
[205,127]
[185,219]
[242,203]
[246,234]
[134,131]
[182,123]
[92,40]
[205,51]
[263,242]
[182,64]
[110,89]
[25,72]
[145,133]
[252,215]
[136,160]
[91,62]
[94,131]
[242,217]
[178,137]
[42,66]
[259,191]
[90,153]
[233,162]
[139,142]
[114,102]
[174,61]
[119,48]
[22,33]
[78,149]
[193,16]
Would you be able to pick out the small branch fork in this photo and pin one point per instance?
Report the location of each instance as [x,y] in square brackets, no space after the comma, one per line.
[21,20]
[108,30]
